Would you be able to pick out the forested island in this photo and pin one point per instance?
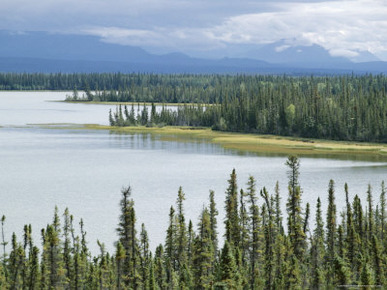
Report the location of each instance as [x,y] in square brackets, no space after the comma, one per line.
[262,248]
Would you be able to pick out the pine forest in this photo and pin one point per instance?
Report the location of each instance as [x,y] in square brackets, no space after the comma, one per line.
[262,247]
[348,107]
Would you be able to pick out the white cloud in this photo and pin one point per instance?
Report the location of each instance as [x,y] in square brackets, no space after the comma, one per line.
[344,52]
[282,48]
[344,27]
[338,26]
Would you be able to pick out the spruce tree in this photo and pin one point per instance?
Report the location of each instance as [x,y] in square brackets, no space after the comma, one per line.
[331,230]
[269,241]
[67,249]
[213,222]
[181,238]
[204,255]
[383,221]
[255,232]
[144,254]
[120,258]
[127,236]
[190,242]
[151,282]
[318,251]
[340,271]
[277,208]
[229,276]
[34,273]
[244,227]
[370,219]
[170,249]
[232,233]
[295,220]
[16,264]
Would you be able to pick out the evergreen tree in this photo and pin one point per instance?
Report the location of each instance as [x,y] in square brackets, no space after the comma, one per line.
[243,225]
[295,220]
[318,250]
[331,230]
[255,230]
[67,249]
[383,221]
[232,234]
[229,276]
[16,264]
[144,254]
[371,221]
[181,254]
[204,255]
[269,241]
[213,222]
[341,271]
[120,258]
[127,236]
[151,282]
[170,249]
[190,242]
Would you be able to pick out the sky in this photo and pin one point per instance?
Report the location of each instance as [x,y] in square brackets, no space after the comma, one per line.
[210,27]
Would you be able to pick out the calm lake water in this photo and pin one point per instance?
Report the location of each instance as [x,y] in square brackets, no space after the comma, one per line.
[85,171]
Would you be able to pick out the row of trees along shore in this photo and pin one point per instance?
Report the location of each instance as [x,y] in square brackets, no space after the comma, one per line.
[258,252]
[337,108]
[348,107]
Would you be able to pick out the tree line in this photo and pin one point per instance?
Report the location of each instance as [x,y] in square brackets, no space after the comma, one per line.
[258,252]
[350,107]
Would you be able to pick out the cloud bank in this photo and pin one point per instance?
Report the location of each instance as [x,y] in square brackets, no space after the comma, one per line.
[343,27]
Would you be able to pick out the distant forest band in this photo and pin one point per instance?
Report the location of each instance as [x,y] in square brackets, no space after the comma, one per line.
[350,107]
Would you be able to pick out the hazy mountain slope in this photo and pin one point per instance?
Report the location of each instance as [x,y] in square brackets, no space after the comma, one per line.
[42,52]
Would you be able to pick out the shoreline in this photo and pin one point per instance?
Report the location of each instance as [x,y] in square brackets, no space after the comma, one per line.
[133,102]
[252,143]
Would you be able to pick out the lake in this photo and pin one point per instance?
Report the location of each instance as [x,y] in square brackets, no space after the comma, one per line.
[85,170]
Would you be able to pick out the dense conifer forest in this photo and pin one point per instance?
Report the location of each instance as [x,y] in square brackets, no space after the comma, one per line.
[262,248]
[351,107]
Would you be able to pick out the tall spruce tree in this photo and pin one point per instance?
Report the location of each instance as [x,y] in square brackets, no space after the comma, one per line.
[269,241]
[213,222]
[170,259]
[318,250]
[127,236]
[255,233]
[331,231]
[232,233]
[181,238]
[295,220]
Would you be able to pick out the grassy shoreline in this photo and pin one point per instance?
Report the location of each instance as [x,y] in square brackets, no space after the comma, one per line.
[132,103]
[253,143]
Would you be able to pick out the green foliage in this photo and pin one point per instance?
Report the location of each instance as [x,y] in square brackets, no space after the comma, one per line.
[345,107]
[232,216]
[257,253]
[339,108]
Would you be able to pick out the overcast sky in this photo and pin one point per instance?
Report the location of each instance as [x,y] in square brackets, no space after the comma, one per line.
[200,27]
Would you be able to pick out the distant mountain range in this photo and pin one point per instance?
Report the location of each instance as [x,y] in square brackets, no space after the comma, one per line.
[42,52]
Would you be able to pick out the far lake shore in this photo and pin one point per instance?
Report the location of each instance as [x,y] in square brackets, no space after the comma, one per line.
[251,143]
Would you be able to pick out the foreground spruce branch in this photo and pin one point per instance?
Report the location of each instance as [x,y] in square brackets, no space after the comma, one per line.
[262,248]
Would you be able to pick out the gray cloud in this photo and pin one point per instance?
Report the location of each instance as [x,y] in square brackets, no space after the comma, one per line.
[344,27]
